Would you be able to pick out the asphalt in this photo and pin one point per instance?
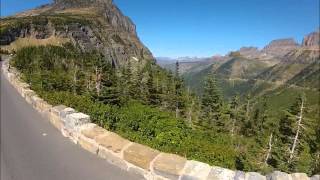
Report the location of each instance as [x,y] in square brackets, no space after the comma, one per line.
[32,149]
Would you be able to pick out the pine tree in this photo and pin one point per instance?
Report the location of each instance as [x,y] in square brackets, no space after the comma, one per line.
[136,83]
[125,75]
[257,124]
[151,91]
[237,115]
[108,84]
[178,91]
[211,102]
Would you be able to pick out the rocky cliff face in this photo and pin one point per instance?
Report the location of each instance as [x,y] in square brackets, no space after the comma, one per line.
[280,47]
[104,7]
[89,24]
[249,52]
[312,40]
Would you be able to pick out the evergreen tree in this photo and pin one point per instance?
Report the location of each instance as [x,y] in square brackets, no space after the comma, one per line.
[136,92]
[211,102]
[151,91]
[237,115]
[126,80]
[178,91]
[257,124]
[110,93]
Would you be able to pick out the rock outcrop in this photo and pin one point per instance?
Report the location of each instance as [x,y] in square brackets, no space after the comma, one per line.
[280,47]
[312,40]
[249,52]
[105,7]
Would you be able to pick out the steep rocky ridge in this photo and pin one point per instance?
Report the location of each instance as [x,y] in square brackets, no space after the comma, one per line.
[291,65]
[274,51]
[104,7]
[312,40]
[250,52]
[280,47]
[96,25]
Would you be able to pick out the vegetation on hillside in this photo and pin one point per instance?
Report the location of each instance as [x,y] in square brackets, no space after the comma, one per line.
[58,20]
[149,105]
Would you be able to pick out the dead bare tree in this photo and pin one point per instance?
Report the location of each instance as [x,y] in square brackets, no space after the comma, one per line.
[98,81]
[299,126]
[269,149]
[75,79]
[233,126]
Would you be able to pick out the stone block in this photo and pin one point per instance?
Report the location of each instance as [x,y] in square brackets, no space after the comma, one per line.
[94,132]
[140,155]
[39,104]
[240,175]
[24,85]
[24,92]
[88,144]
[35,100]
[66,111]
[45,106]
[112,158]
[21,87]
[277,175]
[218,173]
[56,121]
[28,95]
[195,170]
[169,165]
[299,176]
[75,120]
[72,125]
[113,142]
[58,109]
[254,176]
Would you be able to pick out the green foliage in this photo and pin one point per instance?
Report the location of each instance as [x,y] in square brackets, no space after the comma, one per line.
[211,103]
[39,22]
[149,105]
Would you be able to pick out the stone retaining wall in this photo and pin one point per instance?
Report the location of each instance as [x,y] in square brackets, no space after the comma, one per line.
[130,156]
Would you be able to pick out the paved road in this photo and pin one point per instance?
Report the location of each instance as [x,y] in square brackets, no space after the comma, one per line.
[31,149]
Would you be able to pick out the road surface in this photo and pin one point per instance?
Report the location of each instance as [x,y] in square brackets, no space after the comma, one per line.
[32,149]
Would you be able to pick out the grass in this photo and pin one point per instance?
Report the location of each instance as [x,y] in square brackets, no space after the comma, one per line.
[29,41]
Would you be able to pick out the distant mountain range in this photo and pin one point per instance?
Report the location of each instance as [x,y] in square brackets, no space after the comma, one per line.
[271,54]
[187,64]
[280,69]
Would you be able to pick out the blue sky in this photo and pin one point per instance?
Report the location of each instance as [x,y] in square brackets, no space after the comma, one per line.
[174,28]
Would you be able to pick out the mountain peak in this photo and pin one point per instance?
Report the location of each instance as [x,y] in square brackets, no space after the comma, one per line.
[80,3]
[312,40]
[280,47]
[104,7]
